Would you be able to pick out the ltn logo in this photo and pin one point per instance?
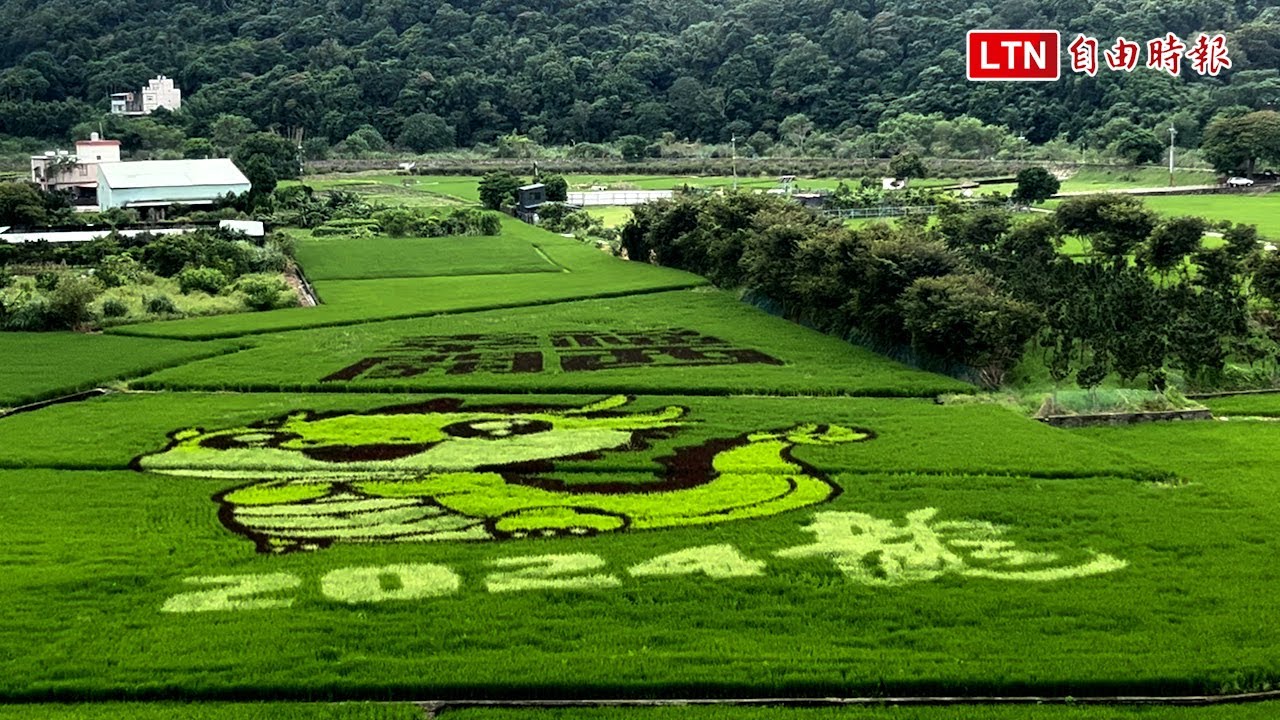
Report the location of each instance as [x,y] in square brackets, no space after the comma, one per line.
[1014,55]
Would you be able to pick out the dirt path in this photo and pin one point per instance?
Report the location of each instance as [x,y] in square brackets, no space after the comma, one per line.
[301,288]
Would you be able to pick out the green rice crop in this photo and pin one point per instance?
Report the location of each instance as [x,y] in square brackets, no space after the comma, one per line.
[212,711]
[93,556]
[1250,711]
[1246,208]
[912,437]
[35,366]
[591,273]
[677,526]
[812,363]
[384,257]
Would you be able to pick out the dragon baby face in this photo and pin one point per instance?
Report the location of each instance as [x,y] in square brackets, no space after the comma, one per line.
[441,471]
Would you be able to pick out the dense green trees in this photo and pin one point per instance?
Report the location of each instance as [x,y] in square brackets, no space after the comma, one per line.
[22,204]
[588,71]
[1236,142]
[424,132]
[498,190]
[278,153]
[1035,185]
[557,188]
[981,294]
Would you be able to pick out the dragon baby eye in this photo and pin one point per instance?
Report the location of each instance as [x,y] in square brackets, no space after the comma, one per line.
[496,428]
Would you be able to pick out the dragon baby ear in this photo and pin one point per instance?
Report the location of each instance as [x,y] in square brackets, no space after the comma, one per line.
[612,402]
[186,434]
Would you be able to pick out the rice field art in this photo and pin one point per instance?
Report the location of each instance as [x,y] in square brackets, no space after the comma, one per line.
[640,489]
[445,472]
[441,471]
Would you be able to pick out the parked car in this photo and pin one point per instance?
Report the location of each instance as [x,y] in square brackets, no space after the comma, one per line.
[1239,182]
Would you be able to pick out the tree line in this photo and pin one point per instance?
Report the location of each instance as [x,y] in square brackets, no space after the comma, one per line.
[820,75]
[989,295]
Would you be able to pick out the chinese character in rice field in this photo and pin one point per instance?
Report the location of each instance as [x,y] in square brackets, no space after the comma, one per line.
[441,471]
[573,351]
[878,552]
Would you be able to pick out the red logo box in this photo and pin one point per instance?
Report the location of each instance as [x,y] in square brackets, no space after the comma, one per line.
[1012,55]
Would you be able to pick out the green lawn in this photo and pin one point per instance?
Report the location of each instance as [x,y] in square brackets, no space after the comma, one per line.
[35,366]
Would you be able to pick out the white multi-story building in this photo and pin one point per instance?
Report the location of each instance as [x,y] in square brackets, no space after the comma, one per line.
[159,93]
[59,170]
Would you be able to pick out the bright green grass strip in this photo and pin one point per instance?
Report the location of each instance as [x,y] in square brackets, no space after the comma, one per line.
[212,711]
[384,257]
[345,302]
[813,363]
[34,366]
[1263,405]
[1254,711]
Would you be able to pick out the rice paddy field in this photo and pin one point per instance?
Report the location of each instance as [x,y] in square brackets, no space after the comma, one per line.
[466,477]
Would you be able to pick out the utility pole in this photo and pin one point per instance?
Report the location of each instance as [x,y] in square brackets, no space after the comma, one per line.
[733,140]
[1173,133]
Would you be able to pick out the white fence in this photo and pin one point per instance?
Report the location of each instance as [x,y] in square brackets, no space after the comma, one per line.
[248,227]
[618,197]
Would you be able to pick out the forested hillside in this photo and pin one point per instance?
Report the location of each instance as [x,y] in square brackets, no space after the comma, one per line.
[468,71]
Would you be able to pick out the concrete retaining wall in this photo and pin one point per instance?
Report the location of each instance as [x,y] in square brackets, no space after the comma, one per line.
[1075,421]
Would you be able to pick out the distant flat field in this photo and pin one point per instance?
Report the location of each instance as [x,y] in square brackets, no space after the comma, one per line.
[1251,209]
[1260,210]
